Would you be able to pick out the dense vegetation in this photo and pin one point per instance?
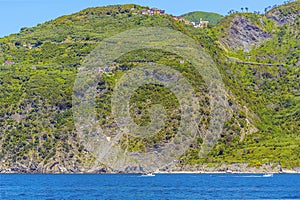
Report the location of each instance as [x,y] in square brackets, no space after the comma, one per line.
[38,66]
[213,18]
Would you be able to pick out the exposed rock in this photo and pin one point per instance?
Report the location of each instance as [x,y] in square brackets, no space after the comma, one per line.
[51,167]
[55,168]
[235,168]
[244,34]
[282,17]
[133,169]
[284,20]
[56,147]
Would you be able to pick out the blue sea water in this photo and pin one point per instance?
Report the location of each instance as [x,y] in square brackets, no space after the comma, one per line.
[161,186]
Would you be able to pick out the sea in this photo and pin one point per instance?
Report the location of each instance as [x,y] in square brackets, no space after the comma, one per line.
[160,186]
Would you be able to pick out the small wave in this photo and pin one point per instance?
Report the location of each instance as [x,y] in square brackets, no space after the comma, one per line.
[250,176]
[242,176]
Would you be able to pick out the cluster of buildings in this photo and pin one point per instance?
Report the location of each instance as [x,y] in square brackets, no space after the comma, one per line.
[153,11]
[181,19]
[156,11]
[200,24]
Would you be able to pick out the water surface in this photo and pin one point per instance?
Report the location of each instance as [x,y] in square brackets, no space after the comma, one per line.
[161,186]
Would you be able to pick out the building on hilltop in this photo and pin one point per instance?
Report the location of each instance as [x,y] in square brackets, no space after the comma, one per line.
[181,19]
[153,11]
[201,24]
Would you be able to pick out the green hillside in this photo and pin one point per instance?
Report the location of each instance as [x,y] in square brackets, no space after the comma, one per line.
[213,18]
[38,67]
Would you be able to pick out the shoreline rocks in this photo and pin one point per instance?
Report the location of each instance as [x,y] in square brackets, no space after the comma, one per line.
[234,168]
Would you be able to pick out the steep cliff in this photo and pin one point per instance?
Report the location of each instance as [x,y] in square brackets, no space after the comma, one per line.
[257,55]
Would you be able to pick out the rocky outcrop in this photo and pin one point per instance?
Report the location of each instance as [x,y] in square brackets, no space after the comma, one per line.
[285,14]
[244,34]
[234,168]
[51,168]
[282,19]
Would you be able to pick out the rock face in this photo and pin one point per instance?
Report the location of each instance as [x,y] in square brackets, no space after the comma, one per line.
[283,15]
[37,133]
[244,34]
[281,19]
[234,168]
[52,168]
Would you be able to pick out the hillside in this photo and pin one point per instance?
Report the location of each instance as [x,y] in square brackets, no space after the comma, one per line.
[213,18]
[257,55]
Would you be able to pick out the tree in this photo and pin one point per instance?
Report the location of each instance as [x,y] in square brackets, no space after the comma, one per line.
[242,9]
[246,8]
[230,12]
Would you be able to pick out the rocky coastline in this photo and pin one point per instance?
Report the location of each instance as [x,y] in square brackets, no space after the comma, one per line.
[236,168]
